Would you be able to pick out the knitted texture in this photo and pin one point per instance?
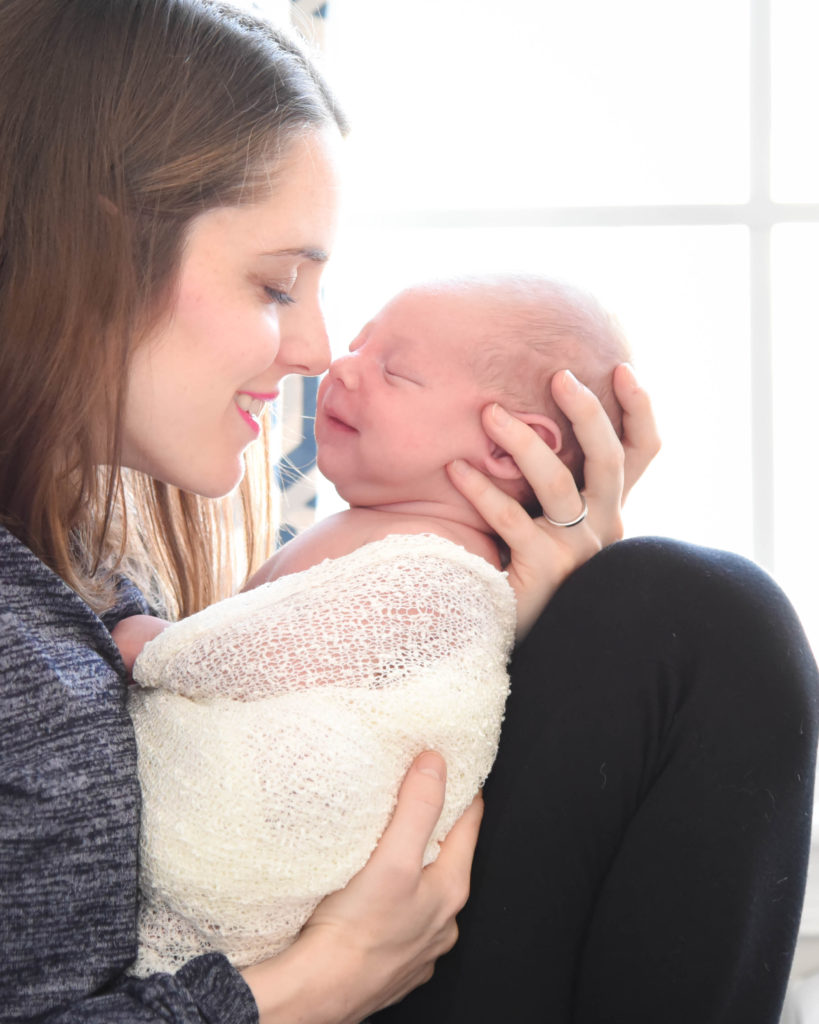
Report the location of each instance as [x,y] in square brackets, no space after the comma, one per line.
[274,730]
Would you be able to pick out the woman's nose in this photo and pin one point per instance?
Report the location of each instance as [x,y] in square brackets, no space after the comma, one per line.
[305,346]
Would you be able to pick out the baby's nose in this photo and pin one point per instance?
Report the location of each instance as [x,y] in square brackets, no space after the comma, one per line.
[343,370]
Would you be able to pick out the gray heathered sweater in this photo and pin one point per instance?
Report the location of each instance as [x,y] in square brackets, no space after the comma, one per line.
[69,820]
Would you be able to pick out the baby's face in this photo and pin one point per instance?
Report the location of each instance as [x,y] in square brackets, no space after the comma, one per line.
[404,402]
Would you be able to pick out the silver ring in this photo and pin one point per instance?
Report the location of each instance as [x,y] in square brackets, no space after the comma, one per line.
[572,522]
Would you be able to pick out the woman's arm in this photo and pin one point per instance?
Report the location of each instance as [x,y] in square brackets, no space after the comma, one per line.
[369,944]
[543,555]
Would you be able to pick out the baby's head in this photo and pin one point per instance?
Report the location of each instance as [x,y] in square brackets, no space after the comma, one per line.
[535,326]
[408,398]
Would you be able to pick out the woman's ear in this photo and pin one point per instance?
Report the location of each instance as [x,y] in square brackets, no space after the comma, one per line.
[500,464]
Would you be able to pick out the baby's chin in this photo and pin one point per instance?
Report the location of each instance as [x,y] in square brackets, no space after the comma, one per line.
[429,489]
[344,488]
[358,495]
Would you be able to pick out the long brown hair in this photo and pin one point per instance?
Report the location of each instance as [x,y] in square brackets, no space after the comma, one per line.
[120,121]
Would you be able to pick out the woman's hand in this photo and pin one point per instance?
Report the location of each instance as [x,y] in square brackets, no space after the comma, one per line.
[543,555]
[372,942]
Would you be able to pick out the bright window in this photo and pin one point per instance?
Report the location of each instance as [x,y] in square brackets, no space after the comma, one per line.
[663,155]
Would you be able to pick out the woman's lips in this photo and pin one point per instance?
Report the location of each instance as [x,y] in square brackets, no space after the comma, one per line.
[251,405]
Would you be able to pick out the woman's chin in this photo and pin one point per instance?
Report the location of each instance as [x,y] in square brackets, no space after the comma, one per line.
[209,484]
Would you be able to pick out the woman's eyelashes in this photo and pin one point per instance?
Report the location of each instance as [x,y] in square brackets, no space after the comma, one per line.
[277,295]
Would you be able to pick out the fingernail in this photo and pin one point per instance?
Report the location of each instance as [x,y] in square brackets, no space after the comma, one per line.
[500,415]
[458,466]
[572,383]
[429,765]
[632,374]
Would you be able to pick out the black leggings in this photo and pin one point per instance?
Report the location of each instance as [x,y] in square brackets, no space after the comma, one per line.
[643,852]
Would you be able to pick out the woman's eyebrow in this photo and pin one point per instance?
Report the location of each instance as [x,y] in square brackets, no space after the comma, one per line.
[314,255]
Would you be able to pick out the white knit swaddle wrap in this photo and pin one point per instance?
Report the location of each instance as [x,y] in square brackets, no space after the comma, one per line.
[280,724]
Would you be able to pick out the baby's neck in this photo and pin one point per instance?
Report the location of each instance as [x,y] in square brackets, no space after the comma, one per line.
[461,524]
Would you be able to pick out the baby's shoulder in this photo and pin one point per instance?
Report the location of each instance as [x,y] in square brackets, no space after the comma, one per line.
[347,531]
[353,529]
[333,537]
[374,525]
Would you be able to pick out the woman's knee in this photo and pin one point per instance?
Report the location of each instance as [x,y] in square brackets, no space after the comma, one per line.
[665,601]
[648,573]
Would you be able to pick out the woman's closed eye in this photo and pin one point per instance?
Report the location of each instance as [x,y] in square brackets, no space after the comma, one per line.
[277,295]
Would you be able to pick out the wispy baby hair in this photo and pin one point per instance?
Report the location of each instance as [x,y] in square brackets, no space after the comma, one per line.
[534,326]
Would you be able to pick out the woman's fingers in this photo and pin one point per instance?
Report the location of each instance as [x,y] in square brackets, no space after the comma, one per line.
[366,945]
[505,516]
[420,801]
[551,481]
[458,848]
[398,858]
[603,457]
[541,556]
[641,441]
[543,552]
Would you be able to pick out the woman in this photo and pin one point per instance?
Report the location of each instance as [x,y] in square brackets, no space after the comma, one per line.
[168,191]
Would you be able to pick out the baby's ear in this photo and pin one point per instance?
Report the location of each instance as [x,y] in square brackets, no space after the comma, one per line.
[499,463]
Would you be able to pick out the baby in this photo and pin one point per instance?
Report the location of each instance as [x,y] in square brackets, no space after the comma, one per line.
[274,728]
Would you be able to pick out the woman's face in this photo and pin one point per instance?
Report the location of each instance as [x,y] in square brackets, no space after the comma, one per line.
[246,313]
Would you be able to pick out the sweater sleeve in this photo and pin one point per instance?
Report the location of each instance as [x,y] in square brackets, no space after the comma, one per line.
[69,819]
[207,990]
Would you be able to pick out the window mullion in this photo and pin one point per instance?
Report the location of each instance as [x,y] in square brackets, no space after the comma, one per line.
[761,354]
